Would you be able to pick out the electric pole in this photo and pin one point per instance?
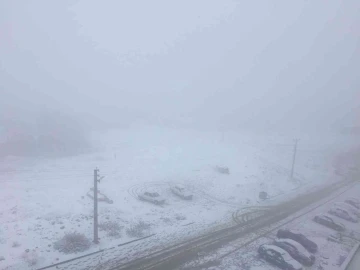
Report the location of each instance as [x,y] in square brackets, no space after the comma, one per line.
[96,225]
[293,161]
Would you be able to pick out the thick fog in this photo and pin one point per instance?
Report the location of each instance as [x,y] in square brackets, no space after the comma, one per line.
[187,134]
[214,64]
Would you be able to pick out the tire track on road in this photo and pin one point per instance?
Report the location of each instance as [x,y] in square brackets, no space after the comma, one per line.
[178,254]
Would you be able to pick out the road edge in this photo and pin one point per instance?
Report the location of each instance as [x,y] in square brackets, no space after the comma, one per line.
[349,258]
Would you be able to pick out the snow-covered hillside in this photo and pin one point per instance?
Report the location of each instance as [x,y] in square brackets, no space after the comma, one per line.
[41,200]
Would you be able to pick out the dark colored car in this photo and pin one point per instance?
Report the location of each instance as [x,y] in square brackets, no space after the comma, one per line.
[354,202]
[279,257]
[329,222]
[300,238]
[297,251]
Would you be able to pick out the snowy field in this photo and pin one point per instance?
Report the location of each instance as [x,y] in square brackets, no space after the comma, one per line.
[43,199]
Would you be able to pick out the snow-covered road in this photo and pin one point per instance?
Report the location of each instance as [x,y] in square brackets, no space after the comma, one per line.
[355,261]
[333,247]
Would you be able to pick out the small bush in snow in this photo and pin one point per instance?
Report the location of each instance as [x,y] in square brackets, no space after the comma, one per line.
[137,230]
[166,220]
[30,257]
[180,217]
[15,244]
[72,243]
[263,195]
[112,228]
[222,170]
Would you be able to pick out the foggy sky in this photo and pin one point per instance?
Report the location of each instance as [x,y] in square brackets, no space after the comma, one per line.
[221,63]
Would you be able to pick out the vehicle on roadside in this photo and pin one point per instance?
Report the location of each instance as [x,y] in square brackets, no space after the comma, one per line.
[343,213]
[354,202]
[152,197]
[300,238]
[353,210]
[329,222]
[181,192]
[101,197]
[279,257]
[296,250]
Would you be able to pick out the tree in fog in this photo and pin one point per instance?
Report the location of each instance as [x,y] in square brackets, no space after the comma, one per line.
[45,134]
[60,134]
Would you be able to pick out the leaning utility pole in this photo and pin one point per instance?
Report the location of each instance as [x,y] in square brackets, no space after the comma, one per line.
[293,161]
[96,224]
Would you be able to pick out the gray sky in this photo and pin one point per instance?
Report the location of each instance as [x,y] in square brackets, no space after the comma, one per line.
[264,63]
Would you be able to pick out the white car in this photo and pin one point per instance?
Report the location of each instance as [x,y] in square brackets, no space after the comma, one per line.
[353,210]
[101,197]
[181,192]
[279,257]
[296,250]
[343,213]
[354,202]
[152,197]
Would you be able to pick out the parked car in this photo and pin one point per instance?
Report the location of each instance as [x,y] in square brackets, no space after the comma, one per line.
[181,192]
[152,197]
[329,222]
[354,202]
[279,257]
[353,210]
[343,213]
[296,250]
[101,197]
[300,238]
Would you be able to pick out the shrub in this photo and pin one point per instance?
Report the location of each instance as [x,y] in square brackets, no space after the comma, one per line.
[30,257]
[222,170]
[72,243]
[180,217]
[137,230]
[112,228]
[15,244]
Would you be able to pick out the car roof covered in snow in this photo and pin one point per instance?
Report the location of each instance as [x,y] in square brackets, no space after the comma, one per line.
[284,254]
[181,189]
[297,245]
[348,211]
[344,205]
[276,248]
[335,220]
[325,216]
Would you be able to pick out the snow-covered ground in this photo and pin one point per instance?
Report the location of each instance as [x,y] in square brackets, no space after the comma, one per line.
[42,199]
[333,247]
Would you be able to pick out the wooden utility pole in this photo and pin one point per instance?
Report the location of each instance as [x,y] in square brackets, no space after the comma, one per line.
[293,161]
[96,229]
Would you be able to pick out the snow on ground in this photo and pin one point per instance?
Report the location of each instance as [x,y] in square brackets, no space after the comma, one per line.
[333,248]
[42,199]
